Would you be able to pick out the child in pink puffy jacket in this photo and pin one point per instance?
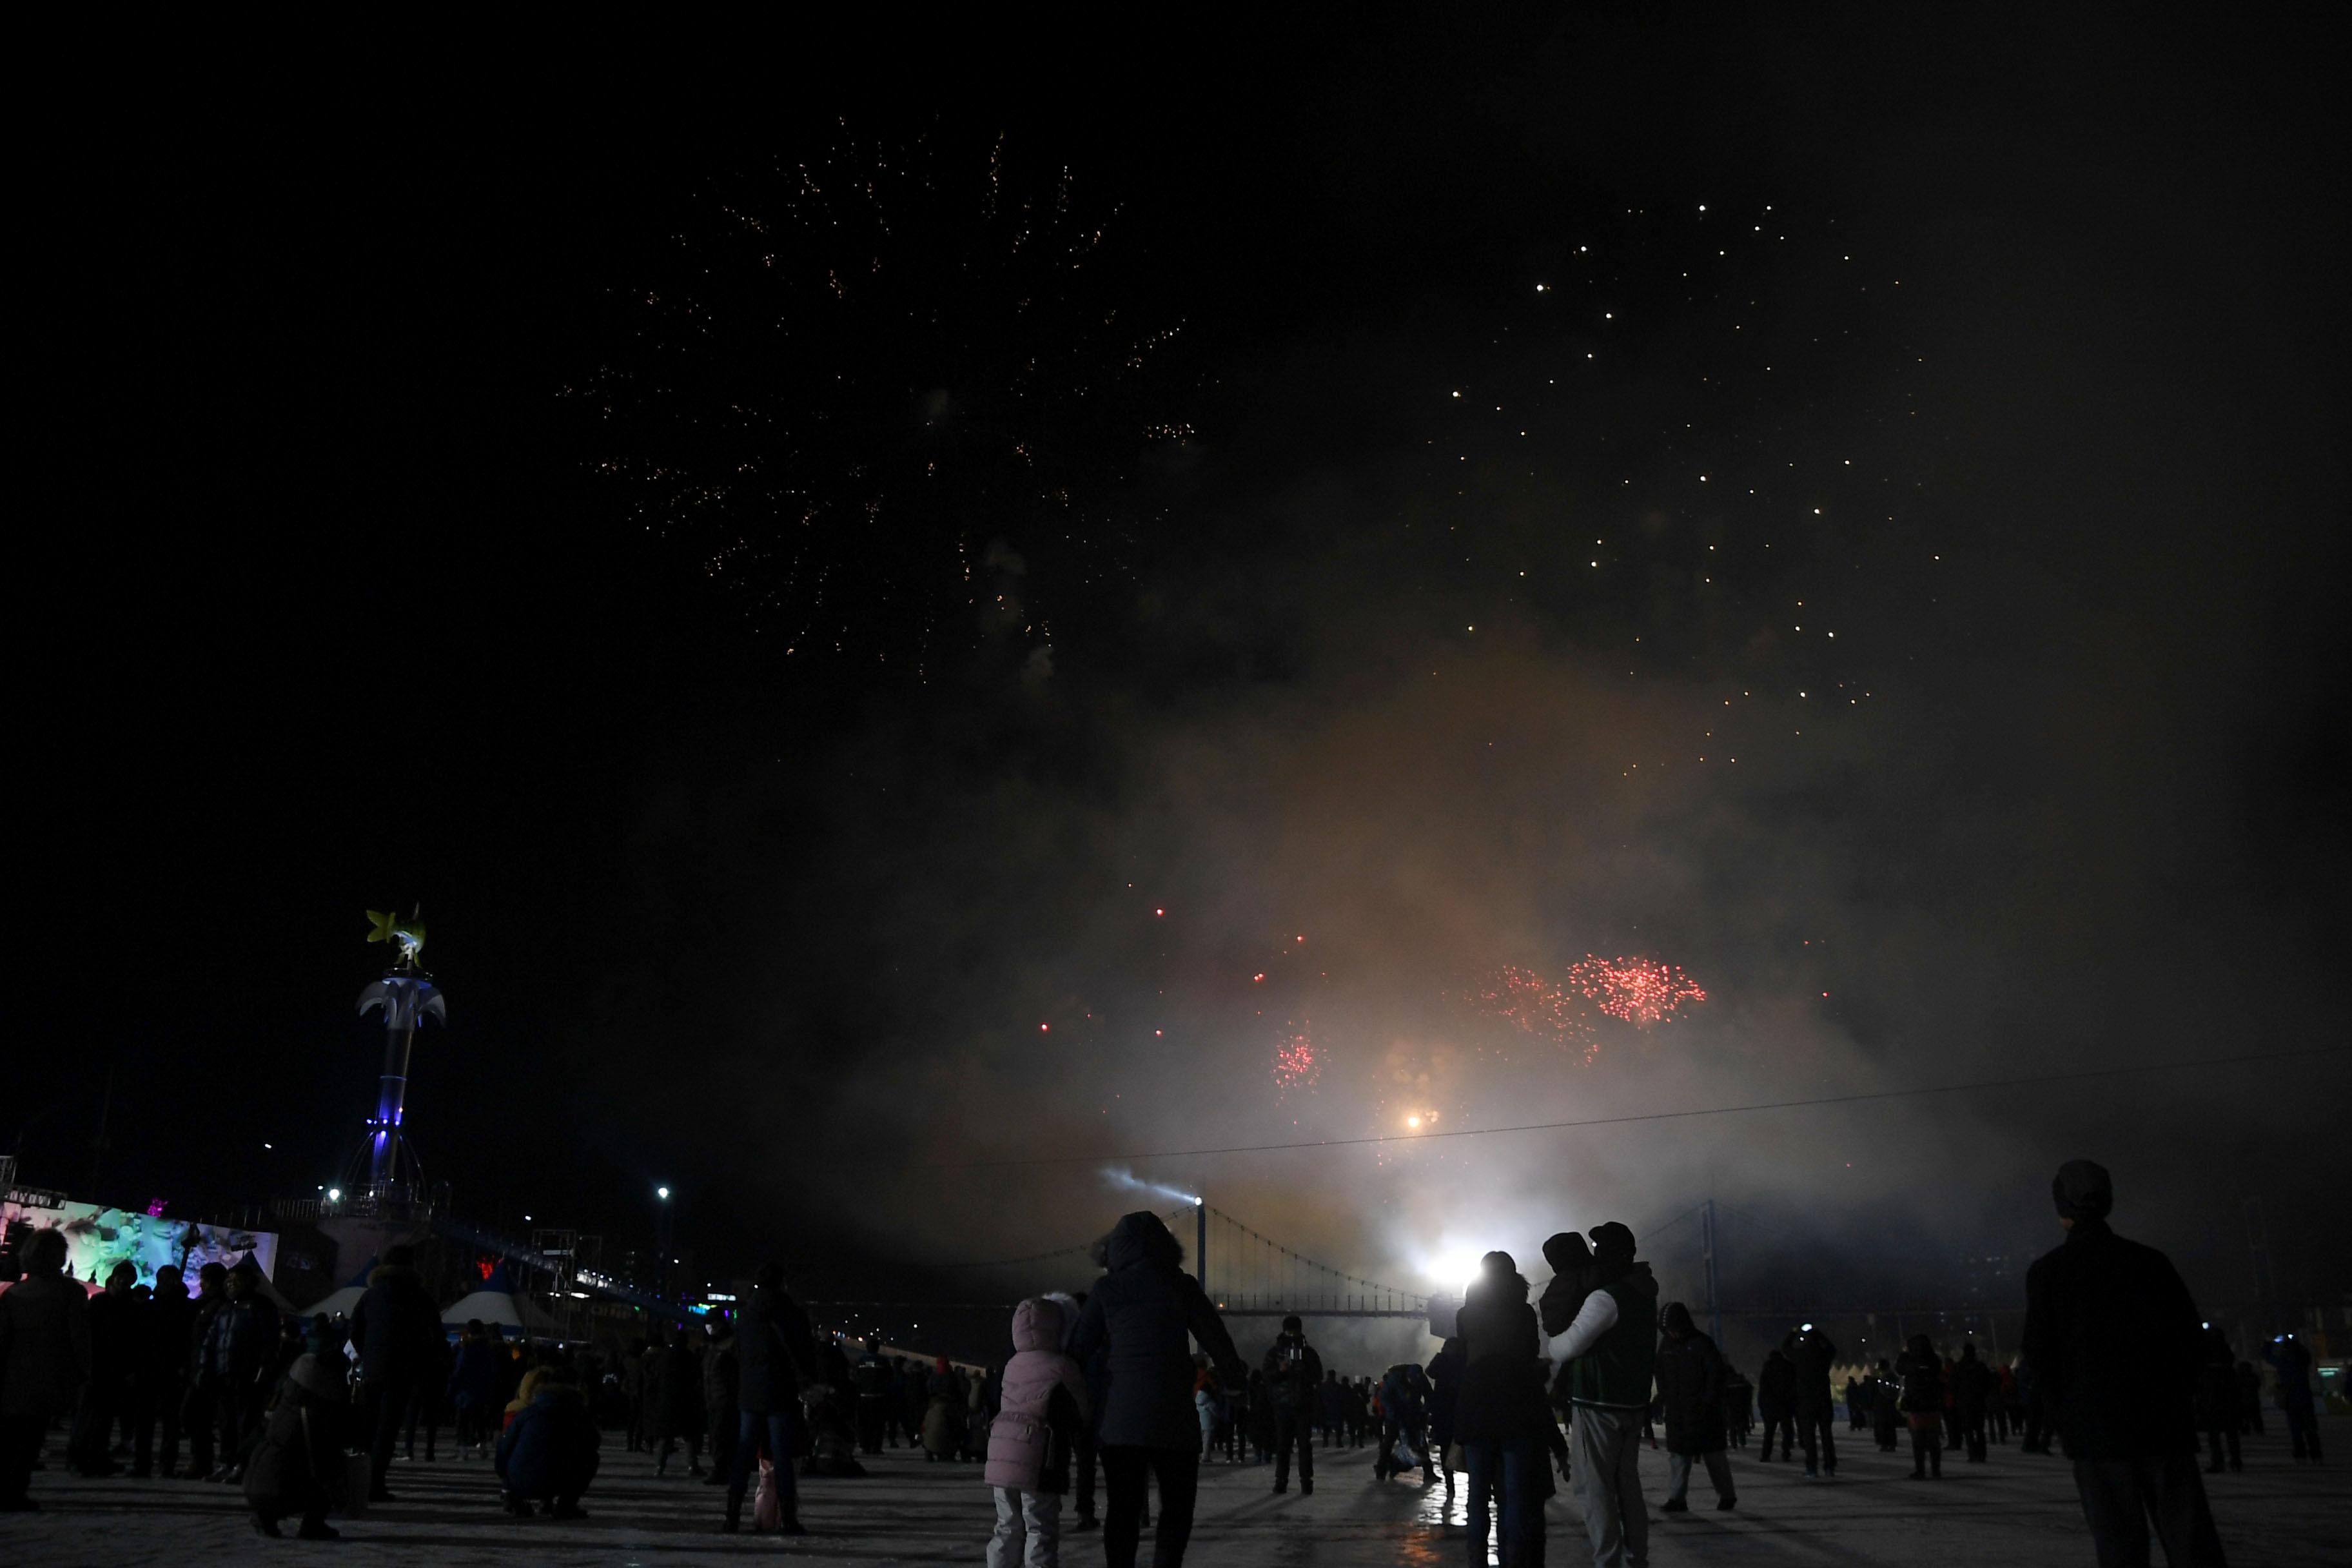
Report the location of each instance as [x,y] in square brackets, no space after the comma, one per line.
[1041,1412]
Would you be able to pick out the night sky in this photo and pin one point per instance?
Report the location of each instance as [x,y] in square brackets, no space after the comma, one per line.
[1511,576]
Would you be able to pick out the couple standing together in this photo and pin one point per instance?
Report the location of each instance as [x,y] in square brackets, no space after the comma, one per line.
[1600,1310]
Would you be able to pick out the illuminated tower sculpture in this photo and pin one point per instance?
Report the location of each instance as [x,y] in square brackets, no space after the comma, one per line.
[407,996]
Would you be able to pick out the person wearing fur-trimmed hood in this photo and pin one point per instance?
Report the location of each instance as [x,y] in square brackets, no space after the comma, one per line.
[1040,1411]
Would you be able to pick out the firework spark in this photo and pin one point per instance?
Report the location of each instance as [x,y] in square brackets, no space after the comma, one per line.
[1636,990]
[870,392]
[1537,1006]
[1297,1065]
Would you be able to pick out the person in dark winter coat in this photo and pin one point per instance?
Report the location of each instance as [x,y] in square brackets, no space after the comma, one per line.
[1095,1368]
[1500,1418]
[719,1412]
[1331,1410]
[2250,1399]
[200,1410]
[773,1356]
[2217,1403]
[871,1378]
[1444,1371]
[1690,1386]
[298,1466]
[1973,1386]
[1570,1259]
[1738,1405]
[1147,1308]
[393,1331]
[632,1390]
[474,1388]
[428,1400]
[1611,1349]
[1885,1407]
[1811,1403]
[674,1402]
[548,1452]
[44,1360]
[1921,1372]
[163,1365]
[237,1361]
[1776,1394]
[2291,1360]
[2106,1323]
[118,1321]
[1405,1422]
[1292,1375]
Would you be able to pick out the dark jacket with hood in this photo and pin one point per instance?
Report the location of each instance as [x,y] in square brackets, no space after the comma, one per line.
[1502,1397]
[1973,1384]
[674,1392]
[549,1449]
[1919,1372]
[1445,1369]
[772,1354]
[394,1325]
[2216,1386]
[1811,1356]
[1144,1308]
[1690,1386]
[1571,1271]
[1775,1388]
[474,1376]
[2108,1327]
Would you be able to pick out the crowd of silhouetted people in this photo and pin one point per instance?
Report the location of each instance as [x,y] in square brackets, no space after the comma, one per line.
[1121,1393]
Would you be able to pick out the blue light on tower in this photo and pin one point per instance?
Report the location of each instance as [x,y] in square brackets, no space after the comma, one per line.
[407,996]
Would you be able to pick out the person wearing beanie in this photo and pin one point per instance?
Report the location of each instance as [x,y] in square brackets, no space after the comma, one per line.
[1292,1371]
[1609,1352]
[2111,1335]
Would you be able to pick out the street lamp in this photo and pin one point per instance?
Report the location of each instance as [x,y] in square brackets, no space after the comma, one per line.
[661,1244]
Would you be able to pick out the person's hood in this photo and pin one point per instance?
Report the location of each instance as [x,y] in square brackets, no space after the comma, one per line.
[394,1273]
[1037,1325]
[1567,1252]
[1141,1237]
[551,1395]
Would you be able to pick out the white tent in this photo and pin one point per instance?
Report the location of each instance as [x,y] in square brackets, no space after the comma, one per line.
[500,1308]
[339,1303]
